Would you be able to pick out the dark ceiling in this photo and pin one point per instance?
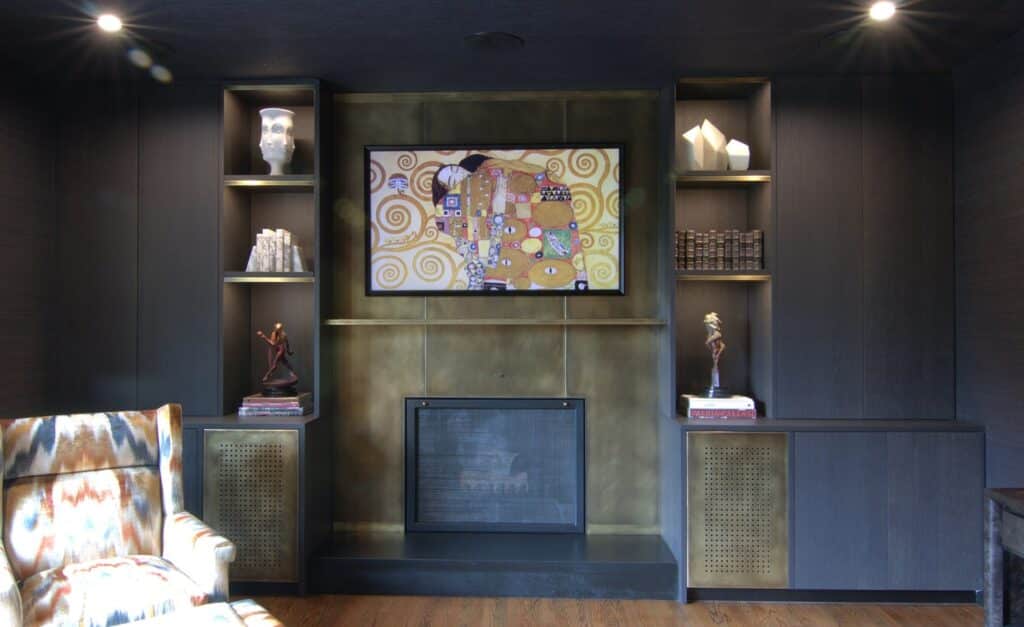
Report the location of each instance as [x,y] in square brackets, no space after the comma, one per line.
[412,45]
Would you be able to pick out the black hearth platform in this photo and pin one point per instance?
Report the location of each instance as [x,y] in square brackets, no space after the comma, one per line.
[497,564]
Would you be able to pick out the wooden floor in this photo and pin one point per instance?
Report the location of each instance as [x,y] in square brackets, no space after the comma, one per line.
[385,611]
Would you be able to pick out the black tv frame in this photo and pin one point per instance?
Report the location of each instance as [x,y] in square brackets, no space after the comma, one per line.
[368,232]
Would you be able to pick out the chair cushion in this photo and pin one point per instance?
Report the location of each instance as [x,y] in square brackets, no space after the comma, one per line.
[107,592]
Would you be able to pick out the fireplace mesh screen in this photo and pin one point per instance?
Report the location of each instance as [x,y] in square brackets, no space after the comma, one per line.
[494,468]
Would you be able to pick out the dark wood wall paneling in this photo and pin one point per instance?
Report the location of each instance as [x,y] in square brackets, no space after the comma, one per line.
[179,190]
[26,249]
[97,248]
[137,181]
[864,301]
[989,264]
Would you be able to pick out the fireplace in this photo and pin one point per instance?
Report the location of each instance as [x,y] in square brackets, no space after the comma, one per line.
[495,464]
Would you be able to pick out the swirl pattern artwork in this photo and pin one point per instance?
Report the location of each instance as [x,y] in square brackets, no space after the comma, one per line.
[502,220]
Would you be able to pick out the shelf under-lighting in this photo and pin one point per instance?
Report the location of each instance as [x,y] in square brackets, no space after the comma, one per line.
[494,322]
[748,177]
[710,275]
[269,277]
[291,182]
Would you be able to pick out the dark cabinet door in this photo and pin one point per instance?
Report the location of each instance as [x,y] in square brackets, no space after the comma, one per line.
[936,493]
[839,513]
[888,511]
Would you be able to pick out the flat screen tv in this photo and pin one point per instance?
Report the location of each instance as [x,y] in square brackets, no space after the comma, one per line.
[475,220]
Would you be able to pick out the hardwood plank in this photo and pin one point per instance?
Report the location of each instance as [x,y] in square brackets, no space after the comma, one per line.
[818,313]
[358,611]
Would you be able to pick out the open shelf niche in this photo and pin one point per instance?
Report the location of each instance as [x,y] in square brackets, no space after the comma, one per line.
[253,200]
[716,200]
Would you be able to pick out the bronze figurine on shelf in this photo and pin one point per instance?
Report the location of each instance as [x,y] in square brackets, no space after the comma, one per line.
[278,351]
[716,344]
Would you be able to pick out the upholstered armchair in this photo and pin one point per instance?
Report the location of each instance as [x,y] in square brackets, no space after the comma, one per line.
[94,527]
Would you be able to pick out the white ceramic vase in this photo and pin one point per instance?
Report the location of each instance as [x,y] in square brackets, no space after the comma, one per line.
[277,138]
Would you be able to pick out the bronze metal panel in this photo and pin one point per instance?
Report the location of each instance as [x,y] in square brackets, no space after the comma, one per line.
[250,495]
[505,307]
[494,361]
[358,125]
[614,370]
[470,121]
[377,367]
[633,122]
[737,509]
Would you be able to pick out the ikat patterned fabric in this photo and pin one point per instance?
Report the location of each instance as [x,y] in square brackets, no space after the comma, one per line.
[56,520]
[107,592]
[197,549]
[93,522]
[58,444]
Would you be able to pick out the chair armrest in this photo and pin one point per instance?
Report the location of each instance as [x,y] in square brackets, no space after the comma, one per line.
[10,595]
[196,549]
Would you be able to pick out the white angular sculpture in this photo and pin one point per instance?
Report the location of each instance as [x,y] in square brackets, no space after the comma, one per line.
[739,155]
[715,157]
[277,138]
[693,149]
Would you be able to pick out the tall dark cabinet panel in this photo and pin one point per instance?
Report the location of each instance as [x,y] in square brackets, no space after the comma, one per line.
[989,265]
[97,179]
[179,160]
[26,248]
[864,286]
[818,330]
[908,247]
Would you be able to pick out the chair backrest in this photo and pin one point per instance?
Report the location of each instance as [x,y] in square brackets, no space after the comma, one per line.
[87,486]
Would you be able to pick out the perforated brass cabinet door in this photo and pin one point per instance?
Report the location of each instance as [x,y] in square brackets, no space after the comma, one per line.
[737,510]
[250,495]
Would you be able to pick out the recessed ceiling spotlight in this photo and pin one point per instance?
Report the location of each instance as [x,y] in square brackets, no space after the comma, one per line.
[109,22]
[882,11]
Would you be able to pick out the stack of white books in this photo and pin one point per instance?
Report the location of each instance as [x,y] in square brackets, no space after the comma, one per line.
[728,407]
[275,251]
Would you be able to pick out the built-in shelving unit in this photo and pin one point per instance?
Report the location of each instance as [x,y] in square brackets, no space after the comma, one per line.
[722,201]
[254,200]
[271,465]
